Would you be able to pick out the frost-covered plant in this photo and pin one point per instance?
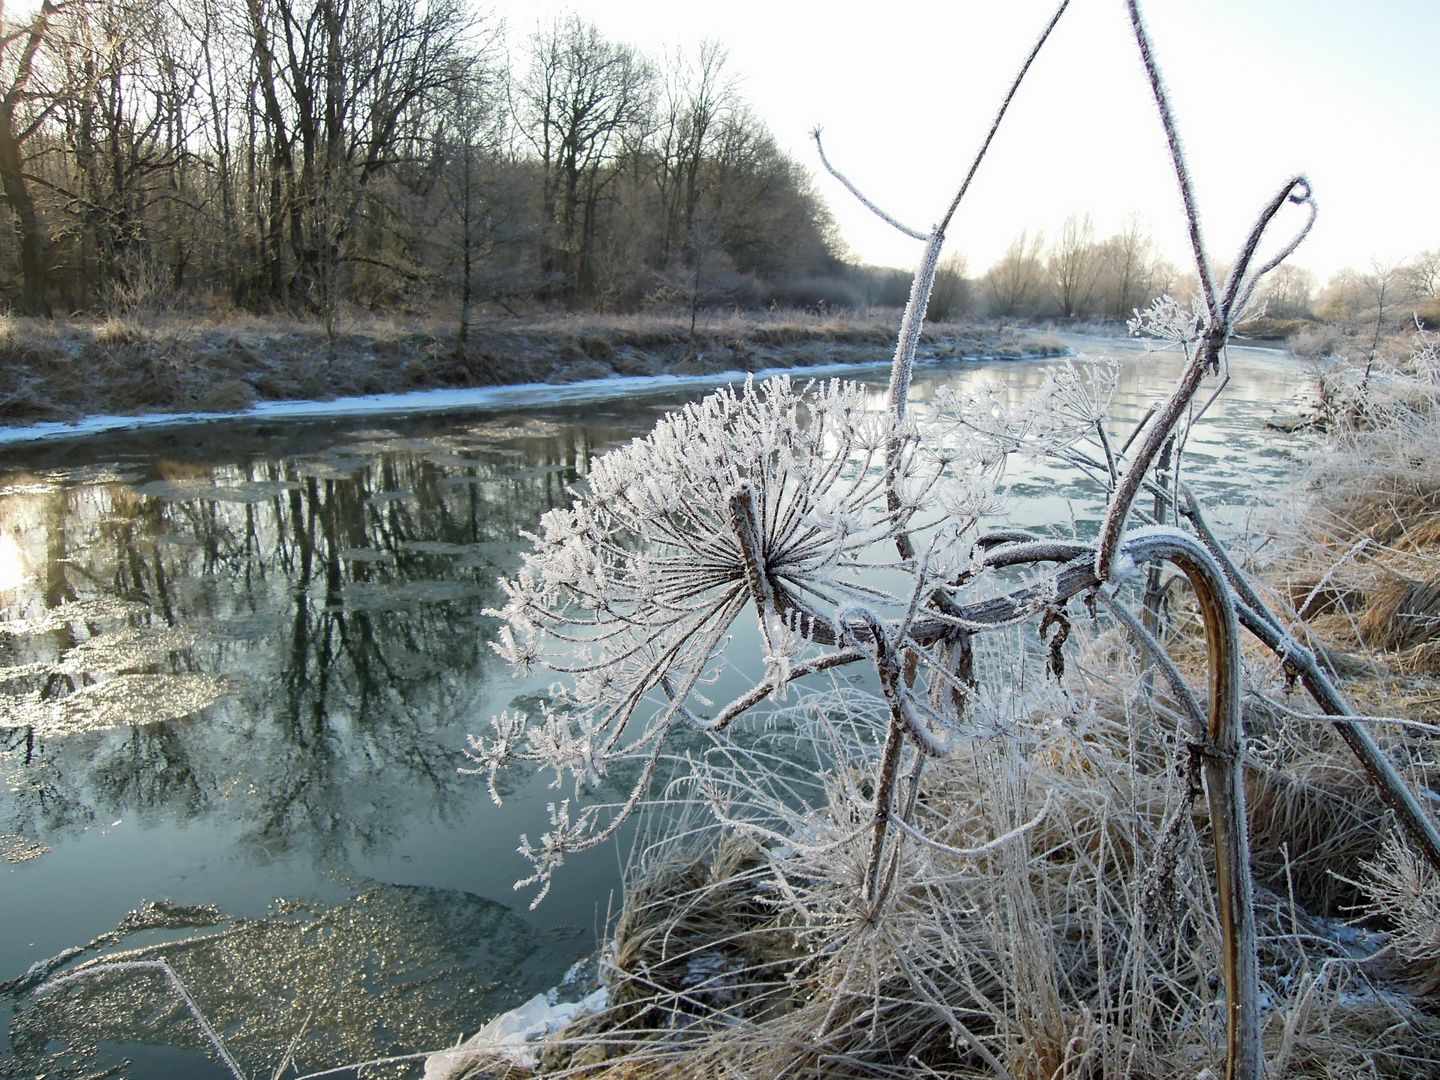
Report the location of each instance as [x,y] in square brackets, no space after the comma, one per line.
[1425,356]
[1354,395]
[765,497]
[1064,419]
[1405,891]
[1167,323]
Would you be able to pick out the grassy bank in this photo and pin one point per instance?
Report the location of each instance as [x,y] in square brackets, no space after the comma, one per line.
[1066,926]
[64,370]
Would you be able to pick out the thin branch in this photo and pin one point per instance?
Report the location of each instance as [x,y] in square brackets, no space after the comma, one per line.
[988,846]
[1177,158]
[175,984]
[914,318]
[914,234]
[1000,115]
[1297,191]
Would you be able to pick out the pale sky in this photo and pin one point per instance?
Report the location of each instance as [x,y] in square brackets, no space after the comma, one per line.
[1346,93]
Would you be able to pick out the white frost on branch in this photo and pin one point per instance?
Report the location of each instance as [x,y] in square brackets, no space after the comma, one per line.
[1071,407]
[1168,323]
[630,592]
[1425,356]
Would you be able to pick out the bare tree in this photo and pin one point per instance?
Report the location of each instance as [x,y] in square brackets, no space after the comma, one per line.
[1290,292]
[341,83]
[1423,275]
[581,99]
[1128,258]
[21,116]
[1015,281]
[1384,285]
[950,296]
[125,84]
[697,99]
[467,140]
[1343,297]
[1073,267]
[296,153]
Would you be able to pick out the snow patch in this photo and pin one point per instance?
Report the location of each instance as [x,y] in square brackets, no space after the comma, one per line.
[516,1036]
[421,401]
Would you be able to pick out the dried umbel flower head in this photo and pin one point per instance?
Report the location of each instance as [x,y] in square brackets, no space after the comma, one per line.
[763,495]
[1070,407]
[1169,323]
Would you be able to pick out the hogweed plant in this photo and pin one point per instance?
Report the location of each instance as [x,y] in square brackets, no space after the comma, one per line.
[766,497]
[852,537]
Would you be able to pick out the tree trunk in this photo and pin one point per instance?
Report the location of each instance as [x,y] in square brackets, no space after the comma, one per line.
[34,244]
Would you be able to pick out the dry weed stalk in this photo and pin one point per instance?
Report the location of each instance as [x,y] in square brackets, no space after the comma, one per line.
[737,503]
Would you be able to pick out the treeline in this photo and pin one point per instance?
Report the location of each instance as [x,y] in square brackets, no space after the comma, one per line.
[301,155]
[1077,275]
[1403,290]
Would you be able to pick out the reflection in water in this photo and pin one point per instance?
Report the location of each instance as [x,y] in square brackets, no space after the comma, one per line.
[259,652]
[285,652]
[316,618]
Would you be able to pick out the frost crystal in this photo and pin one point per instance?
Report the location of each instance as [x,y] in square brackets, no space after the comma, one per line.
[1170,322]
[1071,406]
[762,497]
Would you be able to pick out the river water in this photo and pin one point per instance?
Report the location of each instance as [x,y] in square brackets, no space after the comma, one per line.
[238,662]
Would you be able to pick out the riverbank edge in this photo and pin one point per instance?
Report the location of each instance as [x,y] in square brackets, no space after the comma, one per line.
[76,380]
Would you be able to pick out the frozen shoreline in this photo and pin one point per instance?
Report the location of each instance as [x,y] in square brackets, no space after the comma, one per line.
[489,398]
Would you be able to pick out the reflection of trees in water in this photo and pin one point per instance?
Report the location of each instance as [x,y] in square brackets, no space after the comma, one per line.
[362,648]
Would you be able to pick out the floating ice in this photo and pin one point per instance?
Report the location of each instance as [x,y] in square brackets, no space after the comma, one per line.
[117,702]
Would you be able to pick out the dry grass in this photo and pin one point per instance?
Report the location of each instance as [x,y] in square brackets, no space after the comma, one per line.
[1364,567]
[1083,946]
[178,363]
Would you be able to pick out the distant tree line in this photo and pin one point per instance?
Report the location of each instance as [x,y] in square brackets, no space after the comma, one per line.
[300,155]
[1079,276]
[305,155]
[1076,275]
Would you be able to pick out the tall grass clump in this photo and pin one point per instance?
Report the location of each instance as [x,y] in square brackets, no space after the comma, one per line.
[1365,563]
[979,806]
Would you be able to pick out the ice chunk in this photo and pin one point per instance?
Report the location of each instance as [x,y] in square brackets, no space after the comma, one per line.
[515,1035]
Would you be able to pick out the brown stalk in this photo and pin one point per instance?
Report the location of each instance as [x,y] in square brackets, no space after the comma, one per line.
[1224,783]
[1257,617]
[1219,310]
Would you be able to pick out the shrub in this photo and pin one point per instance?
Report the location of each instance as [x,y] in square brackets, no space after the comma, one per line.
[816,294]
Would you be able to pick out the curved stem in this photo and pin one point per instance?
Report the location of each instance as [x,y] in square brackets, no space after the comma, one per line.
[1150,446]
[1257,617]
[1224,782]
[1297,191]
